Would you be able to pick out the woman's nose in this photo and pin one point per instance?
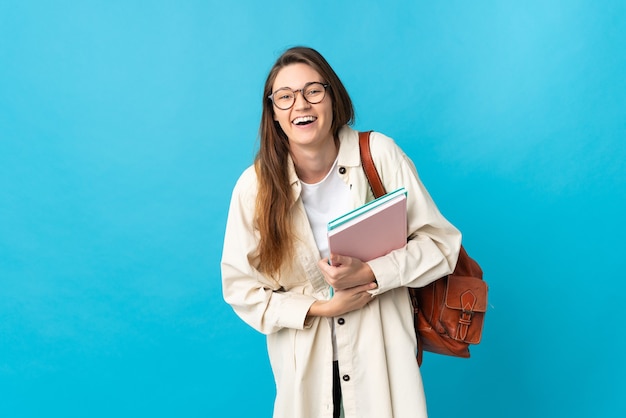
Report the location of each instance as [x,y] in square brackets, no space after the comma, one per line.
[301,102]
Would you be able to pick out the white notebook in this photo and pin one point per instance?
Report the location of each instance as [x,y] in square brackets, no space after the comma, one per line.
[372,230]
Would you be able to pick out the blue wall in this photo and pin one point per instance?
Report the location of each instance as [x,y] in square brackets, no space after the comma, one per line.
[124,125]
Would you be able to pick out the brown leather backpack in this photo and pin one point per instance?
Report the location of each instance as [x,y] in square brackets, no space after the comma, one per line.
[448,313]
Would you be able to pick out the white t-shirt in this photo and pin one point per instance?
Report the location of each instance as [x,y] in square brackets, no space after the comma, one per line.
[323,202]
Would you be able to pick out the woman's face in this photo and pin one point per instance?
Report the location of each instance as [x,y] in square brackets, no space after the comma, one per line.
[305,124]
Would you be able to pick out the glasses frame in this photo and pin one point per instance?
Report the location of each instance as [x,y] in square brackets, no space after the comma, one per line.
[301,91]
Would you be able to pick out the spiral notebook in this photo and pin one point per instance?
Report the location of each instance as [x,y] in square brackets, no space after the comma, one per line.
[372,230]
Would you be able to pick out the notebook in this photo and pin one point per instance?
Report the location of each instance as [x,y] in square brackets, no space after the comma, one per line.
[372,230]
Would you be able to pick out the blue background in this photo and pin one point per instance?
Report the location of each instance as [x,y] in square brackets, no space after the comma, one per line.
[124,125]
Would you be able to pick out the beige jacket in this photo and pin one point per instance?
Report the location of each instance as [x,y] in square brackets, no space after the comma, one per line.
[376,345]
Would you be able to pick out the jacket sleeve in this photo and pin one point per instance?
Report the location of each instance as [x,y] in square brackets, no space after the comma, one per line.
[257,299]
[433,242]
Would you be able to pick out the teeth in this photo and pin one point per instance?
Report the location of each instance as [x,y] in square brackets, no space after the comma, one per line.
[303,119]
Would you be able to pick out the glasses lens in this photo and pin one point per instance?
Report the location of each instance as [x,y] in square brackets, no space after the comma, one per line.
[314,92]
[283,98]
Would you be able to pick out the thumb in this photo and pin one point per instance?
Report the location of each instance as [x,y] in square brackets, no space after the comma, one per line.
[337,260]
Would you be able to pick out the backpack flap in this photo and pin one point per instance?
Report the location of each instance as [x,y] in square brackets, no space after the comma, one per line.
[465,307]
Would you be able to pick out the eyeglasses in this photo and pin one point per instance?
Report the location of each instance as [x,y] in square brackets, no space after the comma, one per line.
[313,92]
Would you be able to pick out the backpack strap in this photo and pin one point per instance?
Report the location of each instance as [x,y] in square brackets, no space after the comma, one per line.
[368,165]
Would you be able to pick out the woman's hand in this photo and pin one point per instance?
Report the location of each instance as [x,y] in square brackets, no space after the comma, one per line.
[343,301]
[345,272]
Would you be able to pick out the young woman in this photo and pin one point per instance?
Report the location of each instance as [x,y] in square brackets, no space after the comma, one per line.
[350,352]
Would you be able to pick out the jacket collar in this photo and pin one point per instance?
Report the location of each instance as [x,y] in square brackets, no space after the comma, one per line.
[348,148]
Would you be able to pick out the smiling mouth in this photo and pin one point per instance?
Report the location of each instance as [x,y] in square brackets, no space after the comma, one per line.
[304,120]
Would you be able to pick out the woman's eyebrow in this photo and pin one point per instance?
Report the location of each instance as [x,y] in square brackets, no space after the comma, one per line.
[291,88]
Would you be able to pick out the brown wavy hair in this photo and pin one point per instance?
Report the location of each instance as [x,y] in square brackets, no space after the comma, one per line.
[273,216]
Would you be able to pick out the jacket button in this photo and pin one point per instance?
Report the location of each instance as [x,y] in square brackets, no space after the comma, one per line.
[342,170]
[346,377]
[341,321]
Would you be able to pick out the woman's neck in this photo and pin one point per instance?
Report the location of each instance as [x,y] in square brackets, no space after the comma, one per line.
[313,165]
